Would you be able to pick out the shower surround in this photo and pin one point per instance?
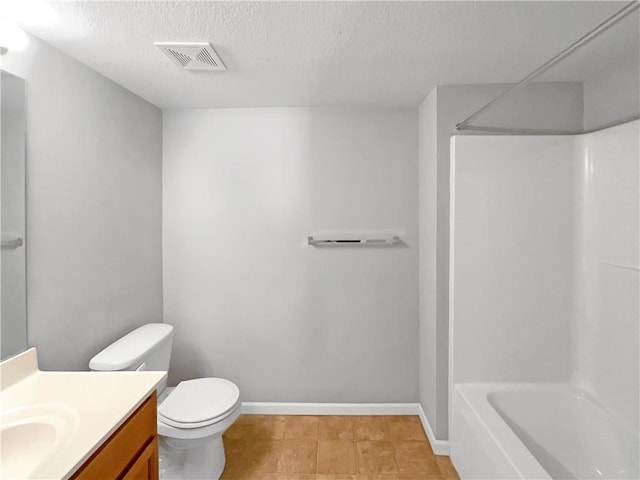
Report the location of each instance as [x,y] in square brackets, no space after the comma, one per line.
[544,291]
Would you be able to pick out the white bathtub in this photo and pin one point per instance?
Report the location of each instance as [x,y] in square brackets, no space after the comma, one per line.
[533,431]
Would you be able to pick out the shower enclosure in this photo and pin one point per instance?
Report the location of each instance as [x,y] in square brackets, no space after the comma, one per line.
[544,308]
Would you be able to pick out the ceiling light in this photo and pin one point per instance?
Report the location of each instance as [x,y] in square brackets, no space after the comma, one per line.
[12,37]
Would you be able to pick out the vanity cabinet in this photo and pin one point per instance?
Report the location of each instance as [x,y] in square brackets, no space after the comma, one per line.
[131,453]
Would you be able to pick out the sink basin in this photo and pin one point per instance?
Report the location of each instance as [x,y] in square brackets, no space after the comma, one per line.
[29,435]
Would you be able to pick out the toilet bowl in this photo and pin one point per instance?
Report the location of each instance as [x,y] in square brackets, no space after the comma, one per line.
[191,420]
[191,416]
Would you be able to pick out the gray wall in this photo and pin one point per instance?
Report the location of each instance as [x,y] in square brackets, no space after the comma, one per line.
[613,95]
[427,217]
[537,105]
[250,300]
[94,249]
[13,281]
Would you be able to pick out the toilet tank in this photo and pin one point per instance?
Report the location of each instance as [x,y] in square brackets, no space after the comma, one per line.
[146,348]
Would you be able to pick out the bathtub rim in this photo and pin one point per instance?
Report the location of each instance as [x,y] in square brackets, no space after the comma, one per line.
[573,388]
[477,397]
[512,450]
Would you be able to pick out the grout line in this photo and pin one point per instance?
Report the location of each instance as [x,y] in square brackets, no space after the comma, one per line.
[355,448]
[355,444]
[318,449]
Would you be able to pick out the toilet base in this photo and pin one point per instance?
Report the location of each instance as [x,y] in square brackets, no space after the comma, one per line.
[201,459]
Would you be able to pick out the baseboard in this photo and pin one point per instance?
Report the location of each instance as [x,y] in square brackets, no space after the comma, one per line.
[439,447]
[282,408]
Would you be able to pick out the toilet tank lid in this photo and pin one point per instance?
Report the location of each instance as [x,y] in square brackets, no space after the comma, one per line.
[130,349]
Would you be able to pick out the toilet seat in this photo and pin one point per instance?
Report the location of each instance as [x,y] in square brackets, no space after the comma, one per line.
[198,403]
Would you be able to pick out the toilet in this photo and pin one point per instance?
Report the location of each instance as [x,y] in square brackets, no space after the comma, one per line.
[191,417]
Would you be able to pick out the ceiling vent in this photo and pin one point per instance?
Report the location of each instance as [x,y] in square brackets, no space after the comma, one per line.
[192,56]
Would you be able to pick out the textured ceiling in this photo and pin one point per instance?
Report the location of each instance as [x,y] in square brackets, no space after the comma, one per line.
[331,53]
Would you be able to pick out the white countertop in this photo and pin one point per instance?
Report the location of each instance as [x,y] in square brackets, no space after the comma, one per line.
[94,405]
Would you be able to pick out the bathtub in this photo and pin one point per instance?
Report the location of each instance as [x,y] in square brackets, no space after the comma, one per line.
[536,431]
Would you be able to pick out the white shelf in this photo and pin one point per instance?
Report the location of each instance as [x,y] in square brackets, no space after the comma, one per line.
[350,238]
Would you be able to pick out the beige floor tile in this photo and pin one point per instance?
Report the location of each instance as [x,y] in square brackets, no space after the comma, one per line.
[271,426]
[337,476]
[404,476]
[230,473]
[376,457]
[370,428]
[301,426]
[237,430]
[257,426]
[336,427]
[446,467]
[257,457]
[405,427]
[415,458]
[378,476]
[233,448]
[281,476]
[389,448]
[337,456]
[298,456]
[392,476]
[396,476]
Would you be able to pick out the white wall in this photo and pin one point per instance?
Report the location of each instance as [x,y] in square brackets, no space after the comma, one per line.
[428,190]
[535,106]
[13,284]
[250,300]
[93,207]
[512,258]
[607,324]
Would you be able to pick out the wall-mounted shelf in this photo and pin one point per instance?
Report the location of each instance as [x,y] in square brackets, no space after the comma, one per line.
[350,238]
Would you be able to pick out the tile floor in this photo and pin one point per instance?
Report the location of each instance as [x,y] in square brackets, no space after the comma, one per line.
[274,447]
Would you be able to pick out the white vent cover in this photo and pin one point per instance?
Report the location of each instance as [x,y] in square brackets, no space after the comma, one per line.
[193,56]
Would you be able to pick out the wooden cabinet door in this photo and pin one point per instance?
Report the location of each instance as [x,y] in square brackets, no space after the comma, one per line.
[117,456]
[146,466]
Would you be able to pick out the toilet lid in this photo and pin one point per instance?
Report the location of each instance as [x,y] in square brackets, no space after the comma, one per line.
[199,401]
